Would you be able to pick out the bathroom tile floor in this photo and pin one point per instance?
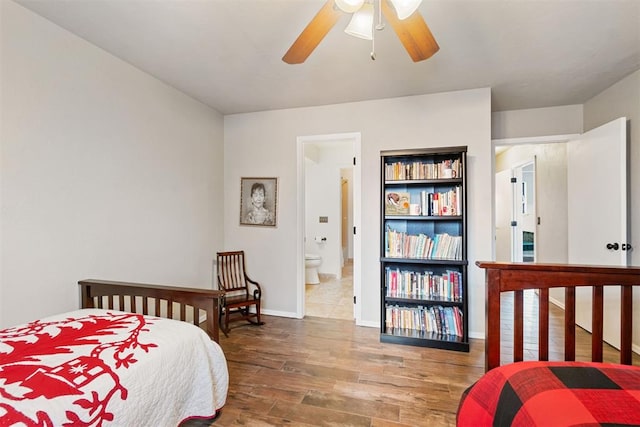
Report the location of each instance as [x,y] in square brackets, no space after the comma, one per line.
[332,298]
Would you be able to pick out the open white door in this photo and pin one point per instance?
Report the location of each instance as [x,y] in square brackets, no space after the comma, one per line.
[515,213]
[597,209]
[504,212]
[524,230]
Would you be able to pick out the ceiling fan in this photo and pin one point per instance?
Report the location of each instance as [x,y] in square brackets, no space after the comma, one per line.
[406,21]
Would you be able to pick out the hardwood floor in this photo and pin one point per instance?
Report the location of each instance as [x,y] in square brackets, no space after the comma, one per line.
[320,371]
[329,372]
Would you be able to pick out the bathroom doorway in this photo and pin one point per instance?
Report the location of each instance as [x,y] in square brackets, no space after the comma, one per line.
[329,207]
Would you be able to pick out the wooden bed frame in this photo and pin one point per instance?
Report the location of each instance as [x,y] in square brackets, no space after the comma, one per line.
[516,277]
[139,298]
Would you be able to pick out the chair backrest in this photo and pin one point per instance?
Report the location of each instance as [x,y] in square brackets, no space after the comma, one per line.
[231,272]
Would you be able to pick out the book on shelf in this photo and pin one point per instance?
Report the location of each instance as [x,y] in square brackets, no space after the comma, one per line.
[396,203]
[437,314]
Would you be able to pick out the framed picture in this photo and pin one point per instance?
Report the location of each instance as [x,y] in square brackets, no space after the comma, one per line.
[258,201]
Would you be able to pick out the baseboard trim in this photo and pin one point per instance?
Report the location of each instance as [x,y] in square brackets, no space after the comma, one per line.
[279,313]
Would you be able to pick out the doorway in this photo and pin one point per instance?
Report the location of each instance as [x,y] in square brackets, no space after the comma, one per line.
[515,203]
[328,212]
[539,206]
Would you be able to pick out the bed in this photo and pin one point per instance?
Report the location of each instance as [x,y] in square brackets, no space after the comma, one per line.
[134,354]
[554,393]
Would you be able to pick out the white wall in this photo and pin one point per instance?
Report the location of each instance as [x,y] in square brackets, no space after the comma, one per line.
[105,172]
[623,100]
[264,144]
[322,199]
[563,120]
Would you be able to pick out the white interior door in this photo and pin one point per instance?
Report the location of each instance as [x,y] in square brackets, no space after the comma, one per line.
[515,213]
[504,210]
[597,209]
[524,212]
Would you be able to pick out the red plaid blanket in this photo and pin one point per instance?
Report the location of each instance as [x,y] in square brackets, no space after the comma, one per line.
[553,394]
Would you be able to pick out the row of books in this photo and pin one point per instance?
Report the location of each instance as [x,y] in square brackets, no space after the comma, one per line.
[398,244]
[400,171]
[443,203]
[435,318]
[446,203]
[423,285]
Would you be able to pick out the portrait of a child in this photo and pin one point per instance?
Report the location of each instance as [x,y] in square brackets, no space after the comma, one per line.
[258,201]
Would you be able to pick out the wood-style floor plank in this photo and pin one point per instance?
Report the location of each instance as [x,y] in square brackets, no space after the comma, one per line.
[329,372]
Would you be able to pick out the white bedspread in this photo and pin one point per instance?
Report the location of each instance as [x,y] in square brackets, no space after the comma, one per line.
[109,368]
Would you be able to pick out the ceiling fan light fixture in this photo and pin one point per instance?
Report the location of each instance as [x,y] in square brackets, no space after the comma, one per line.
[405,8]
[413,32]
[361,24]
[349,6]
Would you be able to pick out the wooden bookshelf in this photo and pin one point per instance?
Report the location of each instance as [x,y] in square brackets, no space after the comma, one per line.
[423,254]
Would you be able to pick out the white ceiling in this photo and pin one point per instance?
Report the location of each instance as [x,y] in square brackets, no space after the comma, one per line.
[227,53]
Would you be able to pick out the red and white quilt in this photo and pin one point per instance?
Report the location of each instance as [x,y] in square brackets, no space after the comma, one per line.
[103,367]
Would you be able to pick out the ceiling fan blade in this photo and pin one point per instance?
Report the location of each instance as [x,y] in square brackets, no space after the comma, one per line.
[313,34]
[413,32]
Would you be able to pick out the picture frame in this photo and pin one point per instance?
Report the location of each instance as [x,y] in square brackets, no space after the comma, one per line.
[258,201]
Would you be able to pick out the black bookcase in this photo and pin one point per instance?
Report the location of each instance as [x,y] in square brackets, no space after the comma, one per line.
[423,253]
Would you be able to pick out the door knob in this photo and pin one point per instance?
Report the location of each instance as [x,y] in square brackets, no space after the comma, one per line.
[613,246]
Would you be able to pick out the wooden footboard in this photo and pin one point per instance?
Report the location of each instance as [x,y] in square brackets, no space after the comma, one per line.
[186,304]
[516,277]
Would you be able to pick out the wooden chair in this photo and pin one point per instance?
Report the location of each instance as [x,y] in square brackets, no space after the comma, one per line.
[240,292]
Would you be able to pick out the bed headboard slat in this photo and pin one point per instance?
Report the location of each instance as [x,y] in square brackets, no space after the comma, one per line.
[208,300]
[597,328]
[626,322]
[570,324]
[543,330]
[518,327]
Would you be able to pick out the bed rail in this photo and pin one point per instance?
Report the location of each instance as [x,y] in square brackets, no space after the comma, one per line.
[186,304]
[504,277]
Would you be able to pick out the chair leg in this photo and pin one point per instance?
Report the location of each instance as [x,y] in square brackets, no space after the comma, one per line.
[226,322]
[258,313]
[222,325]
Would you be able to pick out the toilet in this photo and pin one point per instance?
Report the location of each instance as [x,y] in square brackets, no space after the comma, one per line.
[311,264]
